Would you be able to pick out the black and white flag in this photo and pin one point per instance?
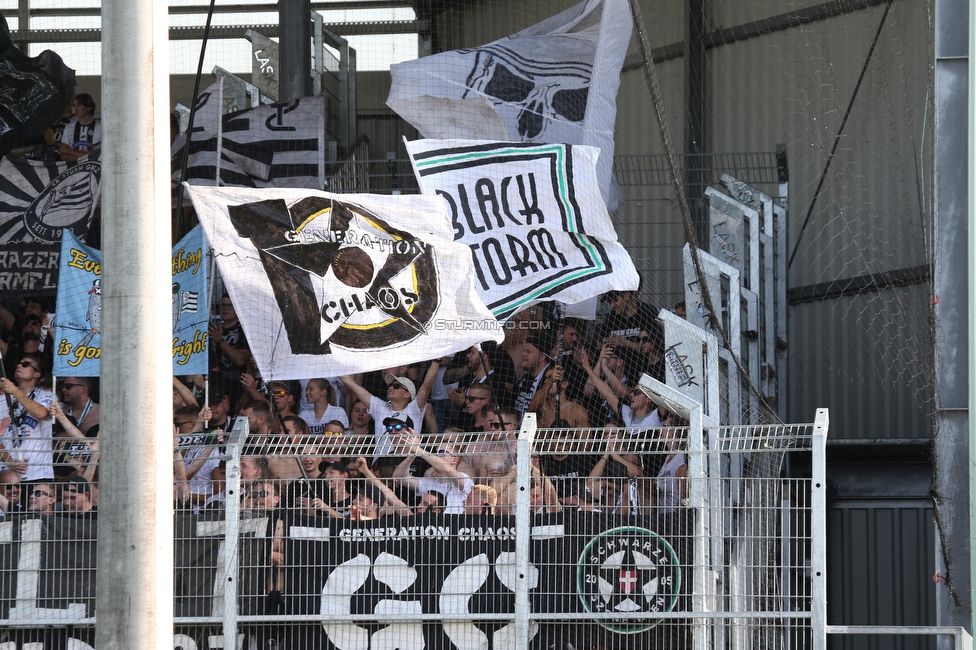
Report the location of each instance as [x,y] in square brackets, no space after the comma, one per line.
[38,200]
[554,82]
[203,164]
[275,145]
[532,217]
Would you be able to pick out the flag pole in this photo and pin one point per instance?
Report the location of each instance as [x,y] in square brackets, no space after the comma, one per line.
[211,281]
[193,111]
[10,404]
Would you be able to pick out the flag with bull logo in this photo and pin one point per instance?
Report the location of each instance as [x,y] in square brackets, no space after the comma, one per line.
[78,325]
[77,328]
[190,313]
[531,216]
[327,285]
[553,82]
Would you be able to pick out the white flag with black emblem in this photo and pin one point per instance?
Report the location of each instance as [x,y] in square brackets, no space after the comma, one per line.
[327,285]
[39,200]
[554,82]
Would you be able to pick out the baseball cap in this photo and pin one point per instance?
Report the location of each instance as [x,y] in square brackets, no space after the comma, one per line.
[338,466]
[403,381]
[405,420]
[81,482]
[540,344]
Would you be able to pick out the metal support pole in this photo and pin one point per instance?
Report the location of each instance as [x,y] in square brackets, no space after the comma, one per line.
[295,49]
[232,520]
[135,546]
[818,532]
[523,531]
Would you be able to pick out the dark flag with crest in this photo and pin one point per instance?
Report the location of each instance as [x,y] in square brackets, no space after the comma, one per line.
[39,201]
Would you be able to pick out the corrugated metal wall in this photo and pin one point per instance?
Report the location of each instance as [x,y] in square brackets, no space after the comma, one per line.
[879,570]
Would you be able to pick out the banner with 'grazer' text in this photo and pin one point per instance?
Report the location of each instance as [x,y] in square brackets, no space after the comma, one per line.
[532,217]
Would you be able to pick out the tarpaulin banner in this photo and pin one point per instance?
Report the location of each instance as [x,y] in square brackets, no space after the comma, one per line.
[190,304]
[327,285]
[532,217]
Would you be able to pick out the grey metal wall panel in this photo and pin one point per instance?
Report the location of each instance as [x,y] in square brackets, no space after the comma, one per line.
[867,359]
[879,571]
[794,86]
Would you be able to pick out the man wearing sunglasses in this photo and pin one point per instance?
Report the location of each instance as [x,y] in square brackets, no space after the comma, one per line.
[76,495]
[78,403]
[27,431]
[283,399]
[10,492]
[42,498]
[403,400]
[400,430]
[28,343]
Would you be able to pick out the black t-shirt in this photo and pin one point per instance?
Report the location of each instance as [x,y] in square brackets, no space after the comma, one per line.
[234,335]
[304,487]
[627,326]
[526,387]
[645,318]
[569,474]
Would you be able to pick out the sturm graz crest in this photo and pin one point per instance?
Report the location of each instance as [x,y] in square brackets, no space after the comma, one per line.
[341,275]
[44,199]
[628,570]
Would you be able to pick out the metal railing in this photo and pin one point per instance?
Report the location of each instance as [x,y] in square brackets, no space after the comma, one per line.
[724,553]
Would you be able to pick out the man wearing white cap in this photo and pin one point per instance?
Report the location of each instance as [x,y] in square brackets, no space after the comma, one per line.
[403,400]
[640,413]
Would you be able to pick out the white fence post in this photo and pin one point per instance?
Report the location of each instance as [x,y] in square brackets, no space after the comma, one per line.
[232,518]
[818,532]
[523,531]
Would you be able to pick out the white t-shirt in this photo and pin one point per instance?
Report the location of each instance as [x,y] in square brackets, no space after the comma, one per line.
[202,481]
[650,421]
[317,426]
[304,404]
[454,497]
[34,442]
[381,409]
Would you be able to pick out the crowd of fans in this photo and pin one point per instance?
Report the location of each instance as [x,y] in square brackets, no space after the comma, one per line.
[439,436]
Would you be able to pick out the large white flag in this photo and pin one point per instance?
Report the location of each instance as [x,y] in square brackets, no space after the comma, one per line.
[554,82]
[326,284]
[531,216]
[275,145]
